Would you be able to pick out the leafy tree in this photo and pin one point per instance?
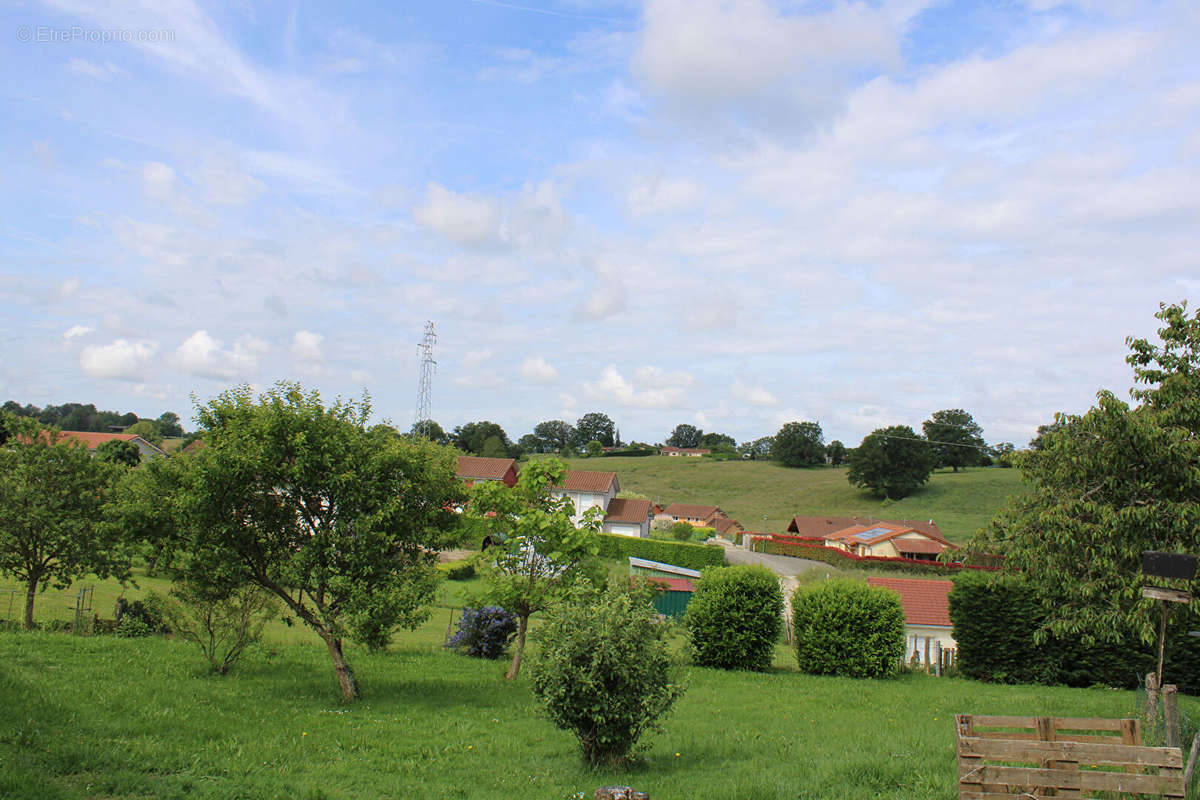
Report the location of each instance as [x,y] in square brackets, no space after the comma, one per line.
[800,444]
[836,452]
[223,621]
[145,429]
[594,426]
[1106,486]
[718,441]
[430,430]
[1004,454]
[893,462]
[1060,421]
[956,438]
[594,449]
[168,425]
[759,448]
[541,553]
[340,522]
[475,437]
[685,435]
[604,671]
[116,451]
[51,496]
[553,435]
[529,444]
[682,531]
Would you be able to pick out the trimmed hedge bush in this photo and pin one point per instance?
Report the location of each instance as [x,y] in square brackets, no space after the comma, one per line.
[842,560]
[996,619]
[458,570]
[603,670]
[844,627]
[681,554]
[734,617]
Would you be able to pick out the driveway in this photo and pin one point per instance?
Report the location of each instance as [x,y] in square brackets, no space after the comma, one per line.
[786,567]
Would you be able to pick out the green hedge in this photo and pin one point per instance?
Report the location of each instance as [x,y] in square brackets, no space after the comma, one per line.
[734,618]
[839,559]
[844,627]
[681,554]
[995,619]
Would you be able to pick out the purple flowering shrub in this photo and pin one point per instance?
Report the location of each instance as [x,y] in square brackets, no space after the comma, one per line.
[484,632]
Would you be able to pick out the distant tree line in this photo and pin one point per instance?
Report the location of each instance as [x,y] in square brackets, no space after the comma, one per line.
[85,417]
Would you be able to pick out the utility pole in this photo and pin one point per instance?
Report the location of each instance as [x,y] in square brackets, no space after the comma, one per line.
[426,367]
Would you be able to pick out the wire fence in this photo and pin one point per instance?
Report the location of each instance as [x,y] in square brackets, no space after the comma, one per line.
[71,609]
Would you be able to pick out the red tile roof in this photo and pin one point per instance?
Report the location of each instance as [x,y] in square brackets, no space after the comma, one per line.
[924,602]
[626,510]
[698,450]
[722,524]
[92,440]
[579,480]
[489,469]
[690,510]
[918,546]
[670,584]
[822,526]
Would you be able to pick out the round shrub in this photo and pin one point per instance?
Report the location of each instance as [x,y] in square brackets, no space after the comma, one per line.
[604,671]
[734,617]
[844,627]
[484,632]
[459,570]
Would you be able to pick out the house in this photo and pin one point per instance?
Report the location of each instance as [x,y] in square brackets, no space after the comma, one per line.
[888,540]
[727,528]
[822,526]
[927,623]
[696,515]
[92,440]
[475,469]
[588,489]
[628,517]
[693,452]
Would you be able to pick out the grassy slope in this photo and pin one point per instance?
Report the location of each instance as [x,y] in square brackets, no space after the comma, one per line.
[959,503]
[114,718]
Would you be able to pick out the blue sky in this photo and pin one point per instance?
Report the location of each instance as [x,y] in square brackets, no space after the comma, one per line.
[732,214]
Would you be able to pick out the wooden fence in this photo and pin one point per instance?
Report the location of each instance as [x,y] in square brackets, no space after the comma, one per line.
[1001,758]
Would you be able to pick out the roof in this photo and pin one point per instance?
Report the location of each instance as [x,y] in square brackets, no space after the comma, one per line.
[822,526]
[700,450]
[918,546]
[924,602]
[670,584]
[490,469]
[626,510]
[882,531]
[690,510]
[646,563]
[722,524]
[579,480]
[92,440]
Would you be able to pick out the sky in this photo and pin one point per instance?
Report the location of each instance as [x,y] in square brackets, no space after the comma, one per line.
[727,213]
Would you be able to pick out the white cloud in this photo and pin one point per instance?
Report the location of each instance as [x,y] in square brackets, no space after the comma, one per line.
[466,219]
[538,370]
[306,345]
[67,288]
[44,154]
[753,395]
[87,69]
[474,358]
[122,359]
[605,298]
[663,196]
[651,389]
[201,354]
[76,330]
[158,180]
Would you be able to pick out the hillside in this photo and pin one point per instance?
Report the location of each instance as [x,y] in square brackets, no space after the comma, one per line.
[959,503]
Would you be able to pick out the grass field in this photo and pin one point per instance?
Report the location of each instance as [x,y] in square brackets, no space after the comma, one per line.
[104,717]
[960,503]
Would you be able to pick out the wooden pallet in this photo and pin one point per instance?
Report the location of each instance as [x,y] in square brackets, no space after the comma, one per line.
[1001,758]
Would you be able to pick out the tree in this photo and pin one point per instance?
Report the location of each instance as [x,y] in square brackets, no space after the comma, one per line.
[145,429]
[553,435]
[51,496]
[168,425]
[956,438]
[541,553]
[117,451]
[759,448]
[474,438]
[836,452]
[594,426]
[893,462]
[1106,486]
[594,449]
[800,444]
[340,522]
[714,441]
[430,430]
[685,435]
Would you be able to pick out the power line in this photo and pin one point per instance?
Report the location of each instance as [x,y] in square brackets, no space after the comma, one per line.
[427,367]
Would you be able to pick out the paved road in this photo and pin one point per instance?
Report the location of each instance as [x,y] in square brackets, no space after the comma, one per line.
[784,566]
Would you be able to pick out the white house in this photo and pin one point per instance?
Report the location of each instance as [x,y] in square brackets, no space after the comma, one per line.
[588,489]
[628,517]
[926,607]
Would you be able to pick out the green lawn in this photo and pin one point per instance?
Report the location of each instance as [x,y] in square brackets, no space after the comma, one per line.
[104,717]
[960,503]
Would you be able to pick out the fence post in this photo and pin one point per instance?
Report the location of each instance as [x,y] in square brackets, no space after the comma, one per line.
[1171,713]
[1152,698]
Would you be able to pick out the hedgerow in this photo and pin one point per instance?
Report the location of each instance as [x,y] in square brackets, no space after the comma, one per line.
[844,627]
[681,554]
[734,617]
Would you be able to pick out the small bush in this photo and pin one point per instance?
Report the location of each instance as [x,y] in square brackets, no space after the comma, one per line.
[458,570]
[682,531]
[484,632]
[149,612]
[844,627]
[734,618]
[223,622]
[703,534]
[131,627]
[604,672]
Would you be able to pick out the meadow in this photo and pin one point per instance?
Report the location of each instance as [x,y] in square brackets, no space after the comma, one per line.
[765,495]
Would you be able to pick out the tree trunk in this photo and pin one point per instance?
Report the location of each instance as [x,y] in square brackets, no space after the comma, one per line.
[514,669]
[30,593]
[345,675]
